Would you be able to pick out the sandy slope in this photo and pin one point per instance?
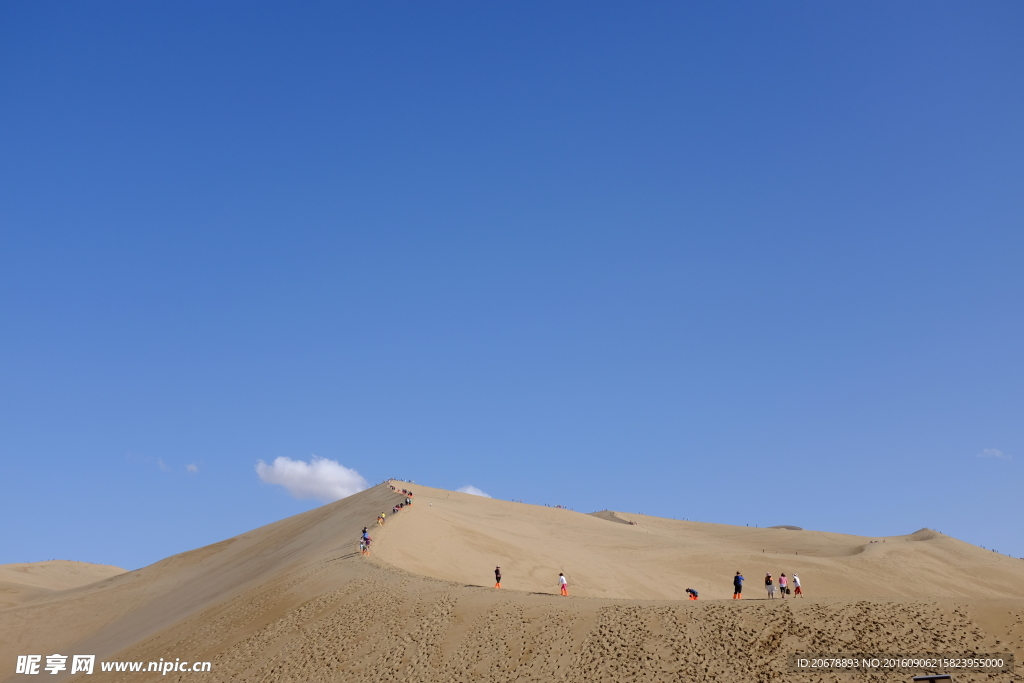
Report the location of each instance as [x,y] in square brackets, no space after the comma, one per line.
[461,538]
[21,583]
[294,601]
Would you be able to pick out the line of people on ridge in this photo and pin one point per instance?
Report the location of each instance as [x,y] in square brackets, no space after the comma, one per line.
[769,584]
[364,538]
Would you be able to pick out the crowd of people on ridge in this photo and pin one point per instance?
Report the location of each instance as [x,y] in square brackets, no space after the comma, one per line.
[364,538]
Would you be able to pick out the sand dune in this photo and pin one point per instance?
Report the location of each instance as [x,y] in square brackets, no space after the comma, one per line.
[459,537]
[295,601]
[20,583]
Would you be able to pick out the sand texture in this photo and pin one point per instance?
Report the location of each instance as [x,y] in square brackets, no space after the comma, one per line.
[295,600]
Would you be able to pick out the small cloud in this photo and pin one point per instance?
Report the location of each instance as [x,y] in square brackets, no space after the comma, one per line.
[163,467]
[472,490]
[320,478]
[994,453]
[191,468]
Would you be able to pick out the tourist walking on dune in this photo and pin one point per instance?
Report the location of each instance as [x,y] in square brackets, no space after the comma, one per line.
[770,585]
[563,585]
[796,587]
[737,586]
[783,585]
[692,593]
[497,577]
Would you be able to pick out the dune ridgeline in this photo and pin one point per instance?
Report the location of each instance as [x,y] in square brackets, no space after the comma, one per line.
[297,601]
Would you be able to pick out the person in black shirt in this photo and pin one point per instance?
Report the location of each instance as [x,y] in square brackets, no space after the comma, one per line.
[497,577]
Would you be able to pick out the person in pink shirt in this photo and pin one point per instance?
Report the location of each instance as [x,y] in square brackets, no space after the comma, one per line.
[783,583]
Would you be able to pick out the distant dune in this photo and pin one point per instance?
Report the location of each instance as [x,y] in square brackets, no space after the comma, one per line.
[29,581]
[295,600]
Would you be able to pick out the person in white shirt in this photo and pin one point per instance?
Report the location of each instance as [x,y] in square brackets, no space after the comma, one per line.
[796,586]
[563,584]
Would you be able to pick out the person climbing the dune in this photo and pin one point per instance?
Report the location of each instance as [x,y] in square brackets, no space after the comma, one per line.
[770,585]
[692,593]
[737,586]
[497,577]
[563,585]
[796,587]
[783,585]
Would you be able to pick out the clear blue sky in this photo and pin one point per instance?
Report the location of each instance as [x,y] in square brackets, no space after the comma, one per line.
[736,262]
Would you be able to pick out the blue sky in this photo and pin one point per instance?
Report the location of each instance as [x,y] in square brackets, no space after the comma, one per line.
[734,262]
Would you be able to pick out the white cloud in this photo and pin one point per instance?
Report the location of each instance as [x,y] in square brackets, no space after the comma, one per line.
[472,490]
[320,478]
[191,468]
[163,467]
[993,453]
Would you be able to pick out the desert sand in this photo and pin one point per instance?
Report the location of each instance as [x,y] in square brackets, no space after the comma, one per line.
[296,601]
